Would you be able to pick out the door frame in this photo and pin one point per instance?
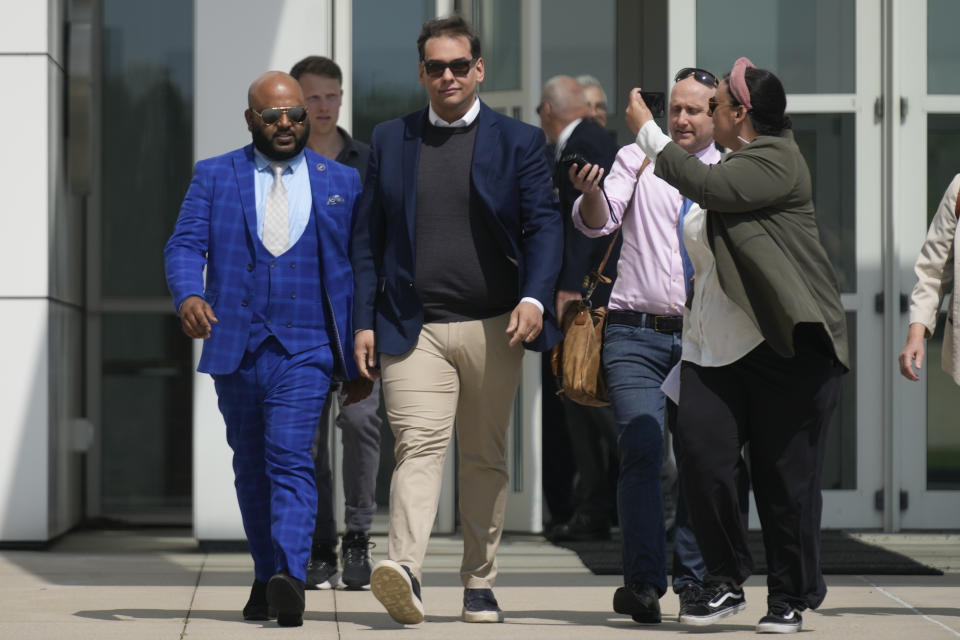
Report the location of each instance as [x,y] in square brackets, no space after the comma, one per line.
[852,508]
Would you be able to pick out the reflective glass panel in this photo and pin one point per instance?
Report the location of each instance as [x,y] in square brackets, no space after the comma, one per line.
[385,61]
[147,138]
[809,45]
[943,157]
[828,143]
[943,401]
[943,407]
[943,46]
[578,38]
[147,398]
[499,25]
[840,462]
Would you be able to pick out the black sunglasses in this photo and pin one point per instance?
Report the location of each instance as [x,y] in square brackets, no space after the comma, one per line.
[700,75]
[272,115]
[460,67]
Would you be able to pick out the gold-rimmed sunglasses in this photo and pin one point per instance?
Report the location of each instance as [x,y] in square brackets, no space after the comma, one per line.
[272,115]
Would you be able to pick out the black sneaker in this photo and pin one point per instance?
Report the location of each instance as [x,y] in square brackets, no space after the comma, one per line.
[479,605]
[780,618]
[355,557]
[689,595]
[398,591]
[322,569]
[639,601]
[718,601]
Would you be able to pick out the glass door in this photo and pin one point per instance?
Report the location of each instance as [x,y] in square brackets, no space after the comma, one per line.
[927,431]
[139,389]
[826,52]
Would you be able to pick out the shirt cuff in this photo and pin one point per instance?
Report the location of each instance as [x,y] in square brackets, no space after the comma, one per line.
[534,302]
[652,140]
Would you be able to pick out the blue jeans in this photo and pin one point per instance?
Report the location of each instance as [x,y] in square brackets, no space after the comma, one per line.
[636,360]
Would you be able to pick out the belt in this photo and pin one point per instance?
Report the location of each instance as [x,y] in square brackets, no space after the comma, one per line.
[661,324]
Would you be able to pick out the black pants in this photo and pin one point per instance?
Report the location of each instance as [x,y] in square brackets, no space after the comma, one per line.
[780,407]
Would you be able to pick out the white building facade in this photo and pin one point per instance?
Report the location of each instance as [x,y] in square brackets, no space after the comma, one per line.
[110,102]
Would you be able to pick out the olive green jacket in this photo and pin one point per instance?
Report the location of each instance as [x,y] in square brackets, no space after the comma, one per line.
[763,232]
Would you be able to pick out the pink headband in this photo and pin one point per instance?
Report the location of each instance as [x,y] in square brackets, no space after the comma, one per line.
[738,86]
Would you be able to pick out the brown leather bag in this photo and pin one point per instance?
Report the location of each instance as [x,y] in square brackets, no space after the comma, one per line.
[576,360]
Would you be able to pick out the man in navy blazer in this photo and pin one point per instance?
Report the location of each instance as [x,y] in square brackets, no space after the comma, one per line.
[456,252]
[270,223]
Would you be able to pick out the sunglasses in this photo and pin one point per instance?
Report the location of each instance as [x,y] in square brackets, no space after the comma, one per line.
[713,103]
[272,115]
[459,67]
[700,75]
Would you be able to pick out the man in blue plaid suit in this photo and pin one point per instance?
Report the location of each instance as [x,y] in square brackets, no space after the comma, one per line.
[271,223]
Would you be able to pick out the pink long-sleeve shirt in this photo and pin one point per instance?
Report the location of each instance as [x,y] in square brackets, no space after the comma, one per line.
[650,270]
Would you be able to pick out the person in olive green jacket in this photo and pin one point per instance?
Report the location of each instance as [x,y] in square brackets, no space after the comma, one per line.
[772,375]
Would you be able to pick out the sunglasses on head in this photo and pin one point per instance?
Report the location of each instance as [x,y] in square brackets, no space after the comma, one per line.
[272,115]
[700,75]
[459,67]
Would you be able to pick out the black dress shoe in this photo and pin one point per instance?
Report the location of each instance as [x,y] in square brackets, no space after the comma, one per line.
[257,607]
[285,595]
[581,528]
[639,601]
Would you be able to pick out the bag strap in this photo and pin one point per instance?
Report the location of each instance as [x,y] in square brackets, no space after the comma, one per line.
[595,277]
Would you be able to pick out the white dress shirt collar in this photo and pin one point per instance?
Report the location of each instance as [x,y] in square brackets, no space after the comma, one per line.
[465,121]
[565,135]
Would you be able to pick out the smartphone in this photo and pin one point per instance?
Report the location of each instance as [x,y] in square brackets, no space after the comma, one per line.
[655,102]
[569,159]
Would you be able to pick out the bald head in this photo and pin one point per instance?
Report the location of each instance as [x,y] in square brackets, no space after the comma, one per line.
[272,86]
[565,95]
[276,115]
[561,102]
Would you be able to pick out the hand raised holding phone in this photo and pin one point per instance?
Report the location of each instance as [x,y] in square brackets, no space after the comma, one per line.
[586,178]
[639,111]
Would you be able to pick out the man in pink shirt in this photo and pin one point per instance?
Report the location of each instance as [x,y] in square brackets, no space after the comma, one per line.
[642,341]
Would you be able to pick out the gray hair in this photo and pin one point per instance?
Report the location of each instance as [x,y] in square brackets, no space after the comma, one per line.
[586,80]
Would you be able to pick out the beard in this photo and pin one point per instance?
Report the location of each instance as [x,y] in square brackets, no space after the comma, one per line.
[265,144]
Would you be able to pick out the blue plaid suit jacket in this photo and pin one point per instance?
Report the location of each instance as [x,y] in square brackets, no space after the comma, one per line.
[511,179]
[217,229]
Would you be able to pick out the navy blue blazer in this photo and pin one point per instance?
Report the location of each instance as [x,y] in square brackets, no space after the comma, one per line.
[217,229]
[511,180]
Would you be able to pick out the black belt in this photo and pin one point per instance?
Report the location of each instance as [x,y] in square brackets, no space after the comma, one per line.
[661,324]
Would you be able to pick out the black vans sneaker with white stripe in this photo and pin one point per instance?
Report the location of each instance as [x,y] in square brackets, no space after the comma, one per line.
[780,618]
[718,601]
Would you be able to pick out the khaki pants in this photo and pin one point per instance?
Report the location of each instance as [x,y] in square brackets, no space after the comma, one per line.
[464,373]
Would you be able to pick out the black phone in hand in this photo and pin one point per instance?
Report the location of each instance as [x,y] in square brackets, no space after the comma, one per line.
[575,158]
[655,102]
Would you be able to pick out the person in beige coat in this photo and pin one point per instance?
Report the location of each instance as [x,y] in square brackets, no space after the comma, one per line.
[936,269]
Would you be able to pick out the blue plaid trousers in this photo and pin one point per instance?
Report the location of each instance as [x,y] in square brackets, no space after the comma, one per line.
[271,405]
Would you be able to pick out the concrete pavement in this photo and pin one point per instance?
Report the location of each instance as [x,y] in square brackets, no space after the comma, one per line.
[157,585]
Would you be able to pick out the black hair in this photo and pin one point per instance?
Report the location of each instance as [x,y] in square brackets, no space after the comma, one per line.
[318,66]
[768,101]
[451,26]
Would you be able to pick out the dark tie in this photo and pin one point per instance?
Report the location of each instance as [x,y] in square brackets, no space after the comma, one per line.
[687,265]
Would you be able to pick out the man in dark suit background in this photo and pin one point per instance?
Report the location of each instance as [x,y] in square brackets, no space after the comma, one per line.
[270,223]
[592,430]
[359,422]
[456,252]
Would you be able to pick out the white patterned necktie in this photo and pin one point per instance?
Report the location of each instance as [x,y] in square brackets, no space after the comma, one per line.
[276,217]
